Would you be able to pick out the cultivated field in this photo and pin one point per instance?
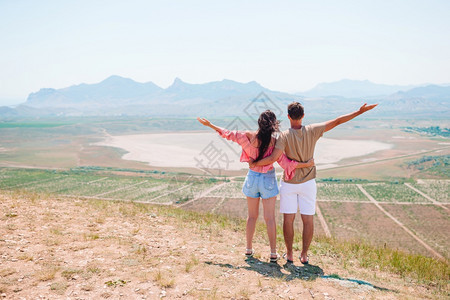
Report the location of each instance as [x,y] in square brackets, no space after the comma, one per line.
[436,189]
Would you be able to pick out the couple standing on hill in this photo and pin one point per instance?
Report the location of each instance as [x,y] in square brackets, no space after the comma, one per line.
[294,151]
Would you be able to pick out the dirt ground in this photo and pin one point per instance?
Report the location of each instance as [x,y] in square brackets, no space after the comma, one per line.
[58,248]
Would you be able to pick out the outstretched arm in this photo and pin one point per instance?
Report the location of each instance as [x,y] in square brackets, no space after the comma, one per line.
[207,123]
[345,118]
[234,136]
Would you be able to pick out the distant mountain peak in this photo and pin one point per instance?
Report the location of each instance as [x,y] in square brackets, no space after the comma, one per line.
[116,78]
[178,80]
[254,83]
[113,77]
[177,83]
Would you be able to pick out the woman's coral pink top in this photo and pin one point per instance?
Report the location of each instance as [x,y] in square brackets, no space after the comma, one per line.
[249,151]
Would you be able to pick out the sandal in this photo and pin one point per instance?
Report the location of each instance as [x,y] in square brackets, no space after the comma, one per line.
[288,260]
[307,260]
[274,257]
[249,252]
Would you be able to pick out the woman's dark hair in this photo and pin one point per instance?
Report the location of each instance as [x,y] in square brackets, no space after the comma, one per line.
[268,124]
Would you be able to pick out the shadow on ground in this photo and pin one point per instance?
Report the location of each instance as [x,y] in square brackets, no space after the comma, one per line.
[290,272]
[286,272]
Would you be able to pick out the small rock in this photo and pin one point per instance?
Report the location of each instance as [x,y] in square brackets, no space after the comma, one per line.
[163,294]
[3,295]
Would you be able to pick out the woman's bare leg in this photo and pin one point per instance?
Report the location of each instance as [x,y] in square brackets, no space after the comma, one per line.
[253,211]
[269,218]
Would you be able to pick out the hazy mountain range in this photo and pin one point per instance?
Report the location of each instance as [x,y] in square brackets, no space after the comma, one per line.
[123,96]
[354,88]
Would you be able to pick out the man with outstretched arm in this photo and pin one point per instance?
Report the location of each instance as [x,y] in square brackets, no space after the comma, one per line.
[298,143]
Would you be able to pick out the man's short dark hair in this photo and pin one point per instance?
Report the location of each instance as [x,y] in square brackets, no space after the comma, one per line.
[295,111]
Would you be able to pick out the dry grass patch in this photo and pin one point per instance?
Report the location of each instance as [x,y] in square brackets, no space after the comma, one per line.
[46,274]
[190,263]
[59,287]
[6,272]
[100,220]
[145,276]
[25,257]
[90,236]
[69,273]
[56,231]
[164,280]
[141,251]
[11,214]
[93,269]
[244,294]
[11,227]
[135,231]
[210,295]
[52,242]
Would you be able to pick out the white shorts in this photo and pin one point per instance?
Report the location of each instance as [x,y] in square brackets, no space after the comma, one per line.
[298,195]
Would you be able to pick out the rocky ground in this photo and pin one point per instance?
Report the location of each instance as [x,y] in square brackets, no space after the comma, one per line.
[58,248]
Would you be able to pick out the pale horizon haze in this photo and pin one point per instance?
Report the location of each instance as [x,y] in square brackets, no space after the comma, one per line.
[286,45]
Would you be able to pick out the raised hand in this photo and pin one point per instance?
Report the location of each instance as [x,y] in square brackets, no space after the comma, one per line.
[366,107]
[204,121]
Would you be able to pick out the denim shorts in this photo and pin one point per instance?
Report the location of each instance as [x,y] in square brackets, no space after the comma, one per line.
[262,185]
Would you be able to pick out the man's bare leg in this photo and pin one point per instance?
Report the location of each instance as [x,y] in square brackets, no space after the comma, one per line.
[288,232]
[308,232]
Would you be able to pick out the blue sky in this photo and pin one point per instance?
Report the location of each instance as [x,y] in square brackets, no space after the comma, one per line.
[283,45]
